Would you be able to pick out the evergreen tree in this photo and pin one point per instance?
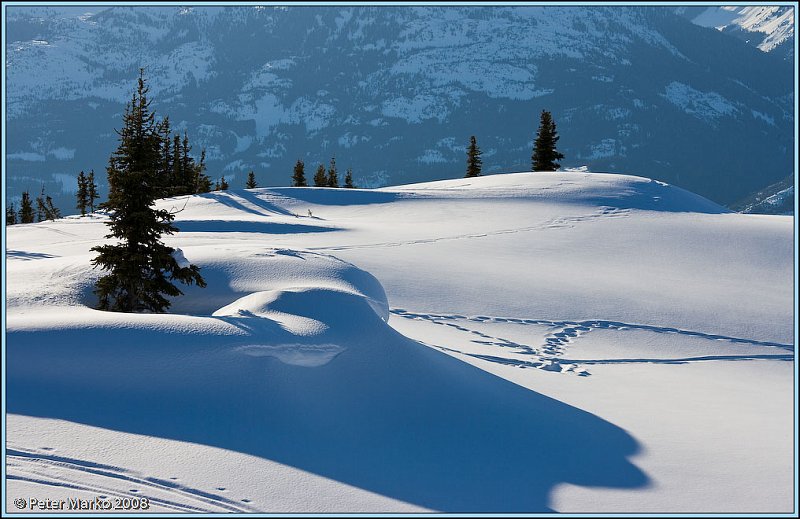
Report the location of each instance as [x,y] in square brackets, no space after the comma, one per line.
[474,161]
[169,183]
[176,175]
[348,179]
[333,177]
[51,212]
[91,190]
[184,175]
[45,209]
[222,185]
[251,181]
[41,207]
[140,267]
[202,182]
[545,155]
[83,193]
[11,215]
[188,180]
[299,177]
[26,209]
[320,178]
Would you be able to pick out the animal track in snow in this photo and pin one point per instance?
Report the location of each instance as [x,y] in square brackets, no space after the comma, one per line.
[555,223]
[549,356]
[49,470]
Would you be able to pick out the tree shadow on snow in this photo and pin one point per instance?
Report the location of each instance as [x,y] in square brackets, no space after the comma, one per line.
[247,202]
[27,256]
[248,226]
[387,414]
[334,196]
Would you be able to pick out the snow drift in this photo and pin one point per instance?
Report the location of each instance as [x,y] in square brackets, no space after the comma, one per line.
[291,365]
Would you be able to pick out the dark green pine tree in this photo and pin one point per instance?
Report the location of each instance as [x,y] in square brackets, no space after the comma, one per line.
[91,190]
[188,180]
[140,267]
[169,184]
[333,176]
[299,176]
[320,178]
[82,194]
[474,161]
[251,181]
[51,212]
[26,212]
[11,214]
[45,209]
[41,207]
[223,184]
[348,179]
[190,177]
[545,155]
[176,175]
[202,181]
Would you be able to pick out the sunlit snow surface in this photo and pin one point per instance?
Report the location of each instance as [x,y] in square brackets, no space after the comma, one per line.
[572,342]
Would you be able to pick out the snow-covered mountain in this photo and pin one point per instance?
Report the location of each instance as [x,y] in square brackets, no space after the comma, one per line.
[395,92]
[777,198]
[770,28]
[567,341]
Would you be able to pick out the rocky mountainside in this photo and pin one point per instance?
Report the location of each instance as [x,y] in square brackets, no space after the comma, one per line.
[396,92]
[769,28]
[777,198]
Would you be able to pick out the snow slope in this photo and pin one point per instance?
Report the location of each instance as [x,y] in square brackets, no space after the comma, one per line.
[565,341]
[775,24]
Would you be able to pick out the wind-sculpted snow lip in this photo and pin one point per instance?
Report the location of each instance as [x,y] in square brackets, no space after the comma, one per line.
[237,272]
[291,305]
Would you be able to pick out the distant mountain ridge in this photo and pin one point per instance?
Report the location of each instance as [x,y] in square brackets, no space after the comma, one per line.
[395,92]
[769,28]
[777,198]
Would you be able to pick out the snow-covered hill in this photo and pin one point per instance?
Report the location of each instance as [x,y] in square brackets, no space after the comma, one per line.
[396,92]
[569,341]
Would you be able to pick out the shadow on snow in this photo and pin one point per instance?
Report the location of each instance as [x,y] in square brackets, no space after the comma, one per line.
[387,414]
[247,226]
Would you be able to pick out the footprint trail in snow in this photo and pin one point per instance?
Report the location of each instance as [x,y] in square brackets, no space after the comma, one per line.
[549,352]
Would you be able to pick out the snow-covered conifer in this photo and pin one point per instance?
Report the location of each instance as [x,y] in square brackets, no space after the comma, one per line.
[140,267]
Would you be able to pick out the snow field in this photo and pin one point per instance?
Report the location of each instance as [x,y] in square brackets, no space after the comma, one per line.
[540,342]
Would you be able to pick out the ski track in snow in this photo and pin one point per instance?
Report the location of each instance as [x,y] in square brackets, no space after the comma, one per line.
[549,356]
[556,223]
[47,469]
